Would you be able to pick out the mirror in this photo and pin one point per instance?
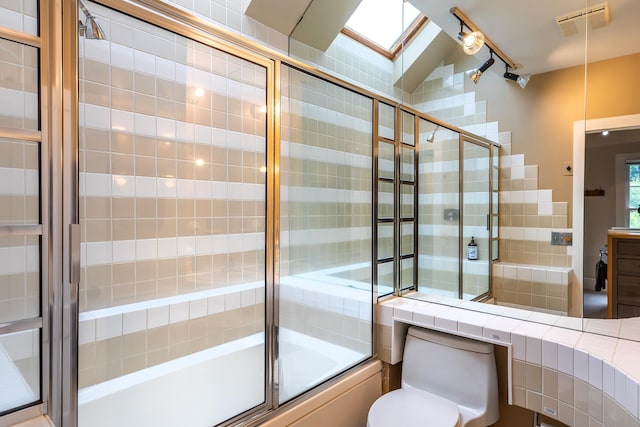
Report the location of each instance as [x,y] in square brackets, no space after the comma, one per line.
[542,170]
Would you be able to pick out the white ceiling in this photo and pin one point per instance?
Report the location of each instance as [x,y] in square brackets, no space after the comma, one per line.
[526,30]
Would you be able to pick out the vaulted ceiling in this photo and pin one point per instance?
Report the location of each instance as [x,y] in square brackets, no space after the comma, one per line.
[526,31]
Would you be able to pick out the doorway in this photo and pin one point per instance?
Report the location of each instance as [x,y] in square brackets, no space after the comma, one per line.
[594,194]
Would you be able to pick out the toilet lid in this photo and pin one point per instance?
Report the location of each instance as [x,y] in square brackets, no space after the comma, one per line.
[409,407]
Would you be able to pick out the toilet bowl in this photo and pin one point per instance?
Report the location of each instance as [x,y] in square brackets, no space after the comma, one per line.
[447,381]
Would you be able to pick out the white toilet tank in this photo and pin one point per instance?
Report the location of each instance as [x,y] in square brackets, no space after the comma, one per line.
[455,368]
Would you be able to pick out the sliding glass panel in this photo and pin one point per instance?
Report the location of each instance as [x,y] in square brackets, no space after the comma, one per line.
[408,129]
[495,203]
[406,273]
[19,85]
[19,278]
[326,232]
[385,241]
[172,208]
[406,238]
[407,201]
[407,170]
[386,121]
[476,262]
[385,200]
[386,160]
[19,369]
[19,182]
[385,278]
[439,210]
[23,244]
[20,15]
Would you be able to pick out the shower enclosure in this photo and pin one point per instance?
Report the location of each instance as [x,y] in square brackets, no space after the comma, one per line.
[458,202]
[437,190]
[190,188]
[196,229]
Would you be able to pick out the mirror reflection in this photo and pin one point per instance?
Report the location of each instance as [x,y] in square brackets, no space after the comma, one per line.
[542,93]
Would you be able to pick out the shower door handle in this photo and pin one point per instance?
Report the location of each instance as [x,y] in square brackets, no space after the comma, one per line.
[488,222]
[74,253]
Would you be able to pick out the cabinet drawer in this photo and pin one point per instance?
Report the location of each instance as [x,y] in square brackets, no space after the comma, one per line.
[629,289]
[625,311]
[628,247]
[628,266]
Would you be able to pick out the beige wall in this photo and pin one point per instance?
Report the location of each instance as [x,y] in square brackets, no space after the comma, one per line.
[541,116]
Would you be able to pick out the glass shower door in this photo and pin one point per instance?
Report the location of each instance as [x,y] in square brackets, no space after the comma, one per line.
[439,211]
[324,313]
[172,205]
[476,236]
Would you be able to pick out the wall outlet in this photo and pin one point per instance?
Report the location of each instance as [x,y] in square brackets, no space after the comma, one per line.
[567,168]
[561,239]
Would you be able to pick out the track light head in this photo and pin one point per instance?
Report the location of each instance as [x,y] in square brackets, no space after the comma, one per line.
[522,80]
[471,42]
[476,73]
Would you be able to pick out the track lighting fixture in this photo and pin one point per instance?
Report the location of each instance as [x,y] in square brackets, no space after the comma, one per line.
[476,73]
[471,42]
[522,80]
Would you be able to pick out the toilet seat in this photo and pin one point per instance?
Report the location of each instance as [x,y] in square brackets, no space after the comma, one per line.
[410,407]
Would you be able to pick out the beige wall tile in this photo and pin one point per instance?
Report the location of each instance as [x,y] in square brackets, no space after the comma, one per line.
[144,165]
[145,104]
[534,377]
[122,99]
[550,383]
[565,388]
[133,364]
[122,143]
[121,207]
[97,230]
[581,395]
[121,78]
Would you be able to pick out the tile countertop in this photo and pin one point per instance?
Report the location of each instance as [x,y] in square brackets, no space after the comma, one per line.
[606,365]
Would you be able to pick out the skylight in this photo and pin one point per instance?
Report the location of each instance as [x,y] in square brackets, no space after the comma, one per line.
[381,21]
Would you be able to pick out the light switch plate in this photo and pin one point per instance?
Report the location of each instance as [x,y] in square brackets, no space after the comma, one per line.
[567,168]
[561,239]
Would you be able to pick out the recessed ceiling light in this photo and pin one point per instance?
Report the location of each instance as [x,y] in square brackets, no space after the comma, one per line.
[605,132]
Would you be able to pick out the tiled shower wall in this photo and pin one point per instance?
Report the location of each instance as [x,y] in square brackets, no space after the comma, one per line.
[229,14]
[166,173]
[528,214]
[172,184]
[353,62]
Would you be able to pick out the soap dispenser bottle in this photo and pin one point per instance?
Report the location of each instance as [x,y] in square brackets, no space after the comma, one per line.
[472,250]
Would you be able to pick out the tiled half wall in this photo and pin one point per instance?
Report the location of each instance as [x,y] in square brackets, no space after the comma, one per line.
[579,378]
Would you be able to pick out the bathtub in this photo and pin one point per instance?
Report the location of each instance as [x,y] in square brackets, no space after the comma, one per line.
[209,387]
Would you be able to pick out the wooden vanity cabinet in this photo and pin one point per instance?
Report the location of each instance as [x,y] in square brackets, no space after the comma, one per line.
[623,275]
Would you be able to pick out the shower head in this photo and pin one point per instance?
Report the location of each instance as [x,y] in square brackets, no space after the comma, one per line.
[91,29]
[432,135]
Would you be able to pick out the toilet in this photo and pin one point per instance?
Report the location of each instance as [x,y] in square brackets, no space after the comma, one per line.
[447,381]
